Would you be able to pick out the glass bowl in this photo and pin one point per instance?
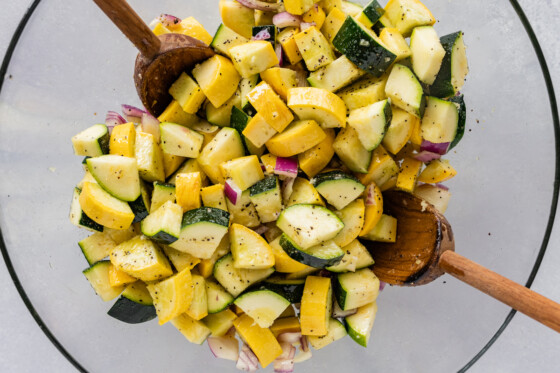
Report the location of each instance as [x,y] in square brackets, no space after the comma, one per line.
[71,65]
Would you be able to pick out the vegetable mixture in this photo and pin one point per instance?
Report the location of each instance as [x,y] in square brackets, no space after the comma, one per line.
[241,209]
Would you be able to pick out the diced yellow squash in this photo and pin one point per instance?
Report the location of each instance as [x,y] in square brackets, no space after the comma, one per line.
[382,168]
[218,79]
[416,136]
[263,18]
[171,163]
[190,165]
[282,261]
[396,43]
[298,137]
[172,296]
[180,259]
[206,266]
[269,162]
[225,146]
[207,130]
[301,274]
[187,93]
[318,104]
[333,23]
[120,236]
[330,5]
[194,330]
[141,258]
[389,184]
[303,192]
[373,208]
[118,277]
[270,106]
[149,158]
[288,43]
[364,92]
[314,48]
[288,312]
[405,15]
[253,57]
[123,138]
[221,116]
[260,340]
[105,209]
[406,180]
[249,249]
[280,79]
[437,171]
[233,39]
[384,231]
[175,114]
[353,218]
[298,7]
[316,304]
[244,171]
[237,17]
[198,309]
[314,160]
[315,15]
[400,130]
[258,131]
[219,323]
[436,195]
[285,325]
[191,27]
[187,190]
[160,29]
[213,196]
[98,277]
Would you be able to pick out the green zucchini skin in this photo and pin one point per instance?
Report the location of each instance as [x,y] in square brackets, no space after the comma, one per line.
[442,86]
[206,215]
[265,185]
[459,100]
[331,176]
[79,217]
[373,11]
[141,206]
[362,49]
[131,312]
[292,290]
[307,258]
[239,120]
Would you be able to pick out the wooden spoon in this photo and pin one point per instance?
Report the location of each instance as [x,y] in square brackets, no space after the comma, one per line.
[161,59]
[425,249]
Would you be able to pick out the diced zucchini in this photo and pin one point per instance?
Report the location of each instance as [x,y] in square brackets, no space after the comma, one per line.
[187,190]
[381,169]
[225,39]
[218,297]
[141,206]
[246,86]
[220,323]
[244,171]
[264,306]
[187,93]
[261,340]
[338,188]
[335,331]
[384,231]
[225,146]
[298,137]
[235,280]
[122,140]
[179,259]
[301,274]
[370,14]
[161,194]
[336,75]
[92,142]
[253,57]
[363,47]
[117,175]
[406,180]
[171,162]
[405,15]
[149,158]
[218,79]
[314,48]
[405,91]
[194,330]
[359,325]
[267,198]
[309,225]
[462,108]
[135,305]
[323,255]
[437,171]
[237,17]
[206,266]
[270,106]
[292,290]
[249,249]
[282,261]
[316,306]
[437,196]
[103,208]
[319,105]
[304,193]
[356,289]
[350,150]
[180,140]
[364,92]
[97,246]
[164,224]
[454,67]
[314,160]
[440,121]
[427,53]
[371,123]
[353,218]
[355,257]
[244,211]
[280,79]
[98,277]
[350,8]
[400,130]
[202,230]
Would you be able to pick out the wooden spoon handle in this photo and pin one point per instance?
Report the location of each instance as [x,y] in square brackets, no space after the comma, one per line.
[130,24]
[511,293]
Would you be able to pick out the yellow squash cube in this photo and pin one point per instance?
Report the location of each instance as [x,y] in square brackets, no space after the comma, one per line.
[384,231]
[260,340]
[316,305]
[312,161]
[298,137]
[280,79]
[333,23]
[237,17]
[288,43]
[218,79]
[160,29]
[396,43]
[175,114]
[213,196]
[399,131]
[285,325]
[298,7]
[318,104]
[314,48]
[270,106]
[437,171]
[191,27]
[171,163]
[118,277]
[249,249]
[244,171]
[187,93]
[382,168]
[269,162]
[123,138]
[282,261]
[253,57]
[194,330]
[374,208]
[406,180]
[315,15]
[187,190]
[258,131]
[172,296]
[105,209]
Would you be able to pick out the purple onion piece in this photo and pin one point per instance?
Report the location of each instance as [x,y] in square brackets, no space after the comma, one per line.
[305,25]
[438,148]
[261,5]
[426,156]
[232,191]
[150,125]
[286,167]
[262,35]
[382,285]
[279,54]
[169,20]
[286,19]
[441,186]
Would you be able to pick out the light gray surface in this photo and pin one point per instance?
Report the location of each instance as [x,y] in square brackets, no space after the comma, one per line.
[525,345]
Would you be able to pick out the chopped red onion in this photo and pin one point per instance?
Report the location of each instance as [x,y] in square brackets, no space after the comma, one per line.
[305,25]
[304,343]
[289,337]
[262,35]
[132,113]
[441,186]
[113,119]
[169,20]
[325,273]
[224,348]
[286,167]
[261,229]
[382,285]
[285,363]
[247,361]
[232,191]
[150,125]
[370,195]
[286,19]
[279,54]
[287,188]
[438,148]
[426,156]
[261,5]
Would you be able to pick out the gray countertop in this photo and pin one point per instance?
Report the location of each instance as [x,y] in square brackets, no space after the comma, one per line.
[525,345]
